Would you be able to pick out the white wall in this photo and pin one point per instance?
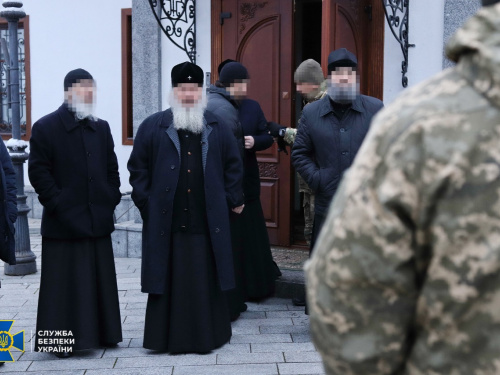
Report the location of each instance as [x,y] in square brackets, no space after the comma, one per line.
[65,35]
[426,59]
[171,55]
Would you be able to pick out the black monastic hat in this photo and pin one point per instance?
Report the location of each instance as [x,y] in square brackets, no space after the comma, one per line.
[75,76]
[187,72]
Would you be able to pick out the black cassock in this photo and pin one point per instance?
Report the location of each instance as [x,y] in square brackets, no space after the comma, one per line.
[73,168]
[191,316]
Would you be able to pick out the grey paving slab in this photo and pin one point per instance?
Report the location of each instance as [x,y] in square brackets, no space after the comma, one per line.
[250,358]
[261,338]
[14,367]
[267,321]
[253,315]
[303,329]
[246,330]
[133,312]
[81,354]
[285,314]
[299,337]
[72,364]
[155,360]
[143,371]
[282,347]
[302,357]
[136,343]
[301,368]
[132,334]
[135,318]
[264,307]
[126,352]
[233,348]
[52,372]
[260,369]
[300,321]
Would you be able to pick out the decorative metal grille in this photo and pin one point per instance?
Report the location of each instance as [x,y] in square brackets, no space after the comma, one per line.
[177,20]
[397,14]
[5,110]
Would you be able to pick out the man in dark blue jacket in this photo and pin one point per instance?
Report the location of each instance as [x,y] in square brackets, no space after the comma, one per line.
[186,172]
[331,131]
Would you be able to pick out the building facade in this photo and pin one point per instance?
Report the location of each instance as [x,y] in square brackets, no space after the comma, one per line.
[122,44]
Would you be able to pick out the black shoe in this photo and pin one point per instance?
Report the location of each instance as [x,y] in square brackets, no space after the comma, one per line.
[299,301]
[63,355]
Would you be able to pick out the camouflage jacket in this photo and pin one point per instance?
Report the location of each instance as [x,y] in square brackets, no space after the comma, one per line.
[291,133]
[405,278]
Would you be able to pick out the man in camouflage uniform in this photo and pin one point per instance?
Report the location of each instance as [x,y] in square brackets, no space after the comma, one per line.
[405,278]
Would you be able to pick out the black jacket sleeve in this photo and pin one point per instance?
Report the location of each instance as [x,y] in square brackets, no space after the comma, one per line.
[112,167]
[233,170]
[138,165]
[263,140]
[302,155]
[10,183]
[40,167]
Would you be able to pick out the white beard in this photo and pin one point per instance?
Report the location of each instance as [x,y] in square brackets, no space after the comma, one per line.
[190,119]
[82,110]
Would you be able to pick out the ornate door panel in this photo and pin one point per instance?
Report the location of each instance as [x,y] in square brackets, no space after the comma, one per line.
[357,25]
[259,35]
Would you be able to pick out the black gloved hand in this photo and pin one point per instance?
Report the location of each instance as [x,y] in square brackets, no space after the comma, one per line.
[281,145]
[274,128]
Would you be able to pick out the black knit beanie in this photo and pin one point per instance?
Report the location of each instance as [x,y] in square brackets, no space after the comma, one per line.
[231,72]
[75,76]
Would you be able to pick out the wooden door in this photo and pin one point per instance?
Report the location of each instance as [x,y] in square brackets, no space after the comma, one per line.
[357,25]
[259,34]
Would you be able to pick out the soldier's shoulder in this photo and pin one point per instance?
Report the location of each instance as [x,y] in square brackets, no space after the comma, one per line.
[314,106]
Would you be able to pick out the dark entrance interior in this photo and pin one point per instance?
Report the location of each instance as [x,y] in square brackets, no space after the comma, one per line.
[307,45]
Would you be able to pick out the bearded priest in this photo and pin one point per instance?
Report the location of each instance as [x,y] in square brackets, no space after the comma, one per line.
[186,173]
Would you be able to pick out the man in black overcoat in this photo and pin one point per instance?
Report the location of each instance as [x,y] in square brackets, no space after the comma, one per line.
[186,173]
[73,169]
[331,131]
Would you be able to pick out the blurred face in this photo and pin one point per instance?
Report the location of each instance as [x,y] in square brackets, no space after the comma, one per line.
[81,92]
[306,88]
[188,94]
[238,89]
[343,77]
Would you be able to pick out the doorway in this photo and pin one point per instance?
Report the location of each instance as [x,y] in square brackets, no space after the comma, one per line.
[307,45]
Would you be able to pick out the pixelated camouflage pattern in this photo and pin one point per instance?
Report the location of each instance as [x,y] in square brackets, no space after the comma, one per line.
[405,278]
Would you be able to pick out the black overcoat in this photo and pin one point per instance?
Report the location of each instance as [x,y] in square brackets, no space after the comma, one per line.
[73,168]
[325,146]
[154,173]
[8,206]
[254,124]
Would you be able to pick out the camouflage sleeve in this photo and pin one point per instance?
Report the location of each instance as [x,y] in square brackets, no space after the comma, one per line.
[290,134]
[362,277]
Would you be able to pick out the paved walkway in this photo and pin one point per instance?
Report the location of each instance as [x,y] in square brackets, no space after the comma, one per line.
[272,337]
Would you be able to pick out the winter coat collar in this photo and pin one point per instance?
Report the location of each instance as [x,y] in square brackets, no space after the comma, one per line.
[326,106]
[214,90]
[476,49]
[69,121]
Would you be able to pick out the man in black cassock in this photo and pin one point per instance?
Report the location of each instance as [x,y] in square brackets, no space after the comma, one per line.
[186,173]
[73,168]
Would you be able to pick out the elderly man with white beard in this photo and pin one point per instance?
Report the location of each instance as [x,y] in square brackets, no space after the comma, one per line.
[73,168]
[186,173]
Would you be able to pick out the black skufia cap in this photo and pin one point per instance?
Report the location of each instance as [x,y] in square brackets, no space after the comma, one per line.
[489,2]
[187,72]
[75,76]
[233,71]
[341,58]
[222,64]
